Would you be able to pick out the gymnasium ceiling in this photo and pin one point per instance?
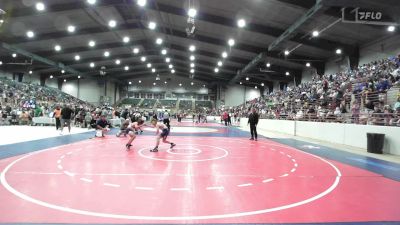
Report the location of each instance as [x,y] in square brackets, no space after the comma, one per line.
[215,22]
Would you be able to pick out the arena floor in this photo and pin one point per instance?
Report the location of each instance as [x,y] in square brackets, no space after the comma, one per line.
[213,175]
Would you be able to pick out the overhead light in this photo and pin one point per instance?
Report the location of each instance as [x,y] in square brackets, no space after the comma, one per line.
[130,83]
[231,42]
[135,50]
[191,83]
[30,34]
[315,33]
[192,65]
[14,55]
[141,2]
[219,63]
[51,76]
[268,65]
[287,52]
[62,71]
[91,64]
[191,70]
[126,39]
[152,25]
[112,23]
[204,85]
[167,60]
[192,12]
[140,81]
[216,70]
[308,64]
[262,84]
[391,28]
[57,48]
[1,62]
[79,77]
[154,84]
[241,23]
[148,65]
[106,54]
[180,84]
[240,82]
[92,43]
[126,68]
[165,82]
[143,59]
[77,57]
[192,58]
[255,87]
[153,70]
[192,48]
[172,71]
[159,41]
[40,6]
[117,61]
[30,71]
[338,51]
[287,73]
[224,55]
[92,2]
[65,80]
[71,28]
[171,66]
[247,78]
[164,51]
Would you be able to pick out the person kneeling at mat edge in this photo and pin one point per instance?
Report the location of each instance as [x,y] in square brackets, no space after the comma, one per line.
[102,126]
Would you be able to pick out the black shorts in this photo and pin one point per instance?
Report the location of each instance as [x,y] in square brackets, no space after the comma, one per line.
[164,133]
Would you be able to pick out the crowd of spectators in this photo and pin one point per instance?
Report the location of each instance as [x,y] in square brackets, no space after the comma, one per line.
[354,96]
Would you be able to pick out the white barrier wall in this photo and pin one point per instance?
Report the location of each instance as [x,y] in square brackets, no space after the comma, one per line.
[346,134]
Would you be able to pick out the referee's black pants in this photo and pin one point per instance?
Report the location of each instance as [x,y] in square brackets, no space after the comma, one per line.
[253,130]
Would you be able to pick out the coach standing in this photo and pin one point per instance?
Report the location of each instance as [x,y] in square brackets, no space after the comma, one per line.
[253,121]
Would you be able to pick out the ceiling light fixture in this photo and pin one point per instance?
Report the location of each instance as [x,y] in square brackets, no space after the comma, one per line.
[153,70]
[92,2]
[167,60]
[40,6]
[14,55]
[143,59]
[391,28]
[71,28]
[268,65]
[287,73]
[30,34]
[308,64]
[172,71]
[192,65]
[92,43]
[57,48]
[148,65]
[135,51]
[192,12]
[164,51]
[224,55]
[126,68]
[152,25]
[117,61]
[77,58]
[216,70]
[338,51]
[171,66]
[159,41]
[241,23]
[141,3]
[192,48]
[286,52]
[91,64]
[219,63]
[112,23]
[315,33]
[231,42]
[247,78]
[51,76]
[106,54]
[192,58]
[126,39]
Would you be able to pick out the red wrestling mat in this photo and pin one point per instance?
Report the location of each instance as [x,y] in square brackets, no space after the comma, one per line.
[203,180]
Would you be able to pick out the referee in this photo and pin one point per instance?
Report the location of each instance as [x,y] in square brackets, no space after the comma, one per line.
[253,121]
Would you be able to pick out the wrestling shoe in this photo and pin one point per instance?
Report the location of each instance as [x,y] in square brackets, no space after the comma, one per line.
[154,149]
[128,147]
[172,145]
